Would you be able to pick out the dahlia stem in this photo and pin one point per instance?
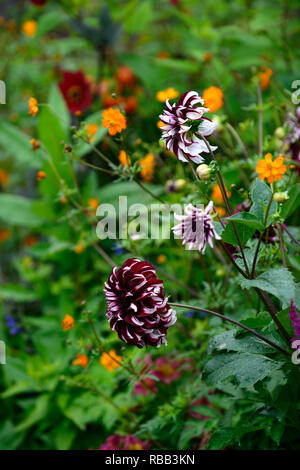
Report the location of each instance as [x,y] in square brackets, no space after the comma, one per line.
[226,200]
[290,235]
[238,139]
[281,244]
[235,322]
[261,235]
[260,120]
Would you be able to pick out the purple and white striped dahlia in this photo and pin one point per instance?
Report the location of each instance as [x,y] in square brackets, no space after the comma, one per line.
[137,306]
[184,127]
[196,227]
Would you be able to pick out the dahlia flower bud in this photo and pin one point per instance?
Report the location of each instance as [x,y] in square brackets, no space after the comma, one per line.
[137,306]
[281,197]
[204,172]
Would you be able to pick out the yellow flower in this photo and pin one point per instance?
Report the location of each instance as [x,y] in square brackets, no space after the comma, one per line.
[124,159]
[33,106]
[213,98]
[91,130]
[79,249]
[269,169]
[4,235]
[81,360]
[161,259]
[264,77]
[4,177]
[217,194]
[110,361]
[114,120]
[35,144]
[168,94]
[93,203]
[147,164]
[29,28]
[67,323]
[135,447]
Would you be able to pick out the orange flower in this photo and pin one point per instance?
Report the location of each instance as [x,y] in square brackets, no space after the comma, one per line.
[81,360]
[147,164]
[271,169]
[41,175]
[93,203]
[161,259]
[221,211]
[67,323]
[33,107]
[213,98]
[124,159]
[264,77]
[207,57]
[31,240]
[91,130]
[168,94]
[114,120]
[160,124]
[29,28]
[110,361]
[217,194]
[4,177]
[4,235]
[35,144]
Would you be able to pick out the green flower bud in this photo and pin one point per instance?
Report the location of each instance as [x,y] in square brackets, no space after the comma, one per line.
[180,184]
[279,133]
[281,197]
[204,172]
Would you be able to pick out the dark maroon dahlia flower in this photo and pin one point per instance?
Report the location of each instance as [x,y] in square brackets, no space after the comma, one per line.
[137,306]
[76,91]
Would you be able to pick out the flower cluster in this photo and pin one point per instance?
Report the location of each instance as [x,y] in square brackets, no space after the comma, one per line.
[165,369]
[196,227]
[137,306]
[184,127]
[129,442]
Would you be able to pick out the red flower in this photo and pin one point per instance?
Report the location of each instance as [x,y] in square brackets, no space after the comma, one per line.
[137,306]
[129,442]
[76,91]
[39,3]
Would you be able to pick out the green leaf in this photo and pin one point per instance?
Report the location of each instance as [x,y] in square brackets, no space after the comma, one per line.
[292,203]
[245,218]
[18,210]
[58,104]
[261,195]
[244,233]
[48,21]
[39,411]
[277,281]
[247,343]
[17,144]
[246,368]
[17,293]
